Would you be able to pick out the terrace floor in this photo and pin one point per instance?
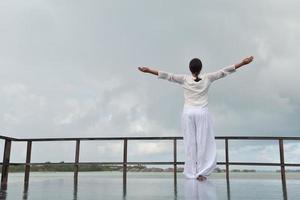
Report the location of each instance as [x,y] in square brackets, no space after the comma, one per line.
[150,185]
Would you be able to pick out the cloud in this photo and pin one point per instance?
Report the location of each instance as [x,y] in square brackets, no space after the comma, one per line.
[19,104]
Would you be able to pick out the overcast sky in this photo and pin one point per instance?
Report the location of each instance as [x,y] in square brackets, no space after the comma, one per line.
[69,69]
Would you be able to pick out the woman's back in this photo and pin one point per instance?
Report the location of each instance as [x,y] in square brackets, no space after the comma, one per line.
[196,93]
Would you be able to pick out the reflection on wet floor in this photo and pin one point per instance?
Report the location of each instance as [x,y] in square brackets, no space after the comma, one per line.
[196,190]
[3,194]
[140,186]
[193,190]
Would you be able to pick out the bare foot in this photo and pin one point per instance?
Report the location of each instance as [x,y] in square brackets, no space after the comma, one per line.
[201,178]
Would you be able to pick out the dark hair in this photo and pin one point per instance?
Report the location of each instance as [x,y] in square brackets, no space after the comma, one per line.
[195,67]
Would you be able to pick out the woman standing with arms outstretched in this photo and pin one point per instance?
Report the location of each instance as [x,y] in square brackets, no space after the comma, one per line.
[198,135]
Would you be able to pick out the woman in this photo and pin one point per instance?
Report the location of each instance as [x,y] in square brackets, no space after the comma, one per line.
[199,140]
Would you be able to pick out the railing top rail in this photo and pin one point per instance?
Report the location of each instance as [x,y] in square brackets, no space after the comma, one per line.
[7,138]
[258,137]
[99,138]
[147,138]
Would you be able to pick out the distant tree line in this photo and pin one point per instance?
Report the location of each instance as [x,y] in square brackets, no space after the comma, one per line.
[64,167]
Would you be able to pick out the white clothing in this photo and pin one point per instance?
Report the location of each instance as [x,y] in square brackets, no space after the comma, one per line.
[199,140]
[196,93]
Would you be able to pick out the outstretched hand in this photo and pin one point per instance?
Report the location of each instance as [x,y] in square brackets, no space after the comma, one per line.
[144,69]
[247,60]
[148,70]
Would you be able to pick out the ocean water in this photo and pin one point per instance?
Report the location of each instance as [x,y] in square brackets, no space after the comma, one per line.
[148,186]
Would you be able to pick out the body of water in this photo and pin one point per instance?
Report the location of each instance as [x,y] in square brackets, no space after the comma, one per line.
[156,186]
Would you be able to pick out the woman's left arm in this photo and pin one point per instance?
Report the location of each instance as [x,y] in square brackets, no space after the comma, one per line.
[176,78]
[148,70]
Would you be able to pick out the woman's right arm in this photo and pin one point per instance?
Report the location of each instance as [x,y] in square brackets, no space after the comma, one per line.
[176,78]
[245,61]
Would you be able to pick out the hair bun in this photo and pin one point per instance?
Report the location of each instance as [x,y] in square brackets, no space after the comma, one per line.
[195,67]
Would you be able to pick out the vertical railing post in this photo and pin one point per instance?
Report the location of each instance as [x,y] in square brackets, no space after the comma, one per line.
[27,165]
[175,160]
[76,165]
[5,166]
[282,169]
[175,164]
[125,167]
[227,167]
[227,159]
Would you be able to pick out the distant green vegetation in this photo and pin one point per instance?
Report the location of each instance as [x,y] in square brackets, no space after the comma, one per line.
[63,167]
[48,167]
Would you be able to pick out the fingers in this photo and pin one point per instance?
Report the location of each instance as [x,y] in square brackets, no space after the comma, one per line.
[142,69]
[250,58]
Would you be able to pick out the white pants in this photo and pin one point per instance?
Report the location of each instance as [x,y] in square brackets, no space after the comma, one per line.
[199,142]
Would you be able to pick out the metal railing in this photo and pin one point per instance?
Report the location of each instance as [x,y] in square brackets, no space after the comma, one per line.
[8,141]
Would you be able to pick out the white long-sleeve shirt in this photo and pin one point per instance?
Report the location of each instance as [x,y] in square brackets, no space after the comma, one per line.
[196,93]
